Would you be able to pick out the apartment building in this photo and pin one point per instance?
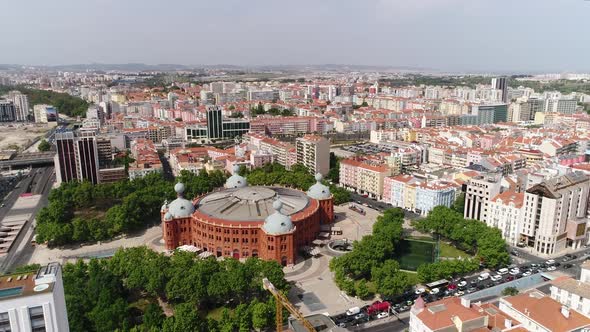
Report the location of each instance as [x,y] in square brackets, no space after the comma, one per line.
[505,213]
[34,301]
[364,178]
[555,213]
[434,193]
[572,293]
[480,190]
[146,158]
[77,156]
[313,152]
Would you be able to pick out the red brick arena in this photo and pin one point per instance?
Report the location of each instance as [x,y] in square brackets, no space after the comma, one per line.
[240,221]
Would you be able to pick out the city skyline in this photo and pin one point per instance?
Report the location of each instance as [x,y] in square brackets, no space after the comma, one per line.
[449,35]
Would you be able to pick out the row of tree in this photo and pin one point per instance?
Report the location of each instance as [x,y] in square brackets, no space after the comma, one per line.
[75,209]
[130,292]
[372,260]
[259,110]
[298,177]
[65,103]
[471,236]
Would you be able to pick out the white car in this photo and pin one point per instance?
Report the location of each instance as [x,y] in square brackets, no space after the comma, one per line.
[483,276]
[551,268]
[514,271]
[420,291]
[459,293]
[550,262]
[434,291]
[383,314]
[496,277]
[527,273]
[462,283]
[503,271]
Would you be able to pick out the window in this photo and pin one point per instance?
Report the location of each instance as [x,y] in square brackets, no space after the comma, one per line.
[4,322]
[37,319]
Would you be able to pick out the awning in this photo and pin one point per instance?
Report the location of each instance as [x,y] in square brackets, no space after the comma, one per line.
[188,248]
[324,234]
[205,254]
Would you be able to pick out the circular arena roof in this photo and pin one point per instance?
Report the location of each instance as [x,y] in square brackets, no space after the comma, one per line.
[251,203]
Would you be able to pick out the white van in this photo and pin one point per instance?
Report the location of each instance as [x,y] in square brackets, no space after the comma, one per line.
[483,276]
[353,311]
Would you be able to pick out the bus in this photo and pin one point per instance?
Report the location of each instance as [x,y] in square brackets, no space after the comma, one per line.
[438,284]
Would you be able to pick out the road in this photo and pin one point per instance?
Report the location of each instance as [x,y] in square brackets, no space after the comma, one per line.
[39,182]
[393,326]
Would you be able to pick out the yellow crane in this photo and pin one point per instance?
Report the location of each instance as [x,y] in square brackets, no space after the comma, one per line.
[282,301]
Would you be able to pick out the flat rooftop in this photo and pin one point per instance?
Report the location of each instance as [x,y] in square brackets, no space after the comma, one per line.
[29,283]
[251,203]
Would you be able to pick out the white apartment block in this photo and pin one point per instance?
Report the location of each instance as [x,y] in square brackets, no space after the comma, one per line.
[34,301]
[432,194]
[555,213]
[313,152]
[480,190]
[506,215]
[574,294]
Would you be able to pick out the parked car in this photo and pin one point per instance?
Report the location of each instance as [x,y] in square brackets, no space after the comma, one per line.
[482,276]
[471,290]
[567,266]
[514,271]
[462,283]
[550,262]
[496,277]
[460,293]
[551,268]
[434,291]
[420,290]
[353,311]
[509,278]
[383,314]
[503,271]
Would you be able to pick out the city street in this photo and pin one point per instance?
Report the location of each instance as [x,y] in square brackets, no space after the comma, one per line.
[39,182]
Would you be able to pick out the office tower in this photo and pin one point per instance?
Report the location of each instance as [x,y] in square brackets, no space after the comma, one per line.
[501,83]
[77,156]
[7,111]
[65,159]
[563,106]
[214,125]
[480,190]
[554,213]
[105,151]
[313,152]
[95,112]
[87,156]
[45,113]
[34,301]
[487,114]
[21,102]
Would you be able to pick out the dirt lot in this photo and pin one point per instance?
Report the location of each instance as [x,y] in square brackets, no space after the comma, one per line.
[18,136]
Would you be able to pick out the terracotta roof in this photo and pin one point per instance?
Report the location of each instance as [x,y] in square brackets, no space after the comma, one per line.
[509,196]
[546,312]
[439,314]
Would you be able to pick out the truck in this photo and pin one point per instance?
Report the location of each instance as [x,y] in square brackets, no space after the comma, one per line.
[357,209]
[378,307]
[353,311]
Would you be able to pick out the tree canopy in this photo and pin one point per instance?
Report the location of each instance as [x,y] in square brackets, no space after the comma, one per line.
[65,103]
[81,211]
[104,295]
[471,236]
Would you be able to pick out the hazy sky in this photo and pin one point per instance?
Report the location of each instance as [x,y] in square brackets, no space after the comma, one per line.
[473,35]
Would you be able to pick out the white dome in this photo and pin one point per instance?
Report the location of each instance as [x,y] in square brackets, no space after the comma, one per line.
[181,208]
[179,188]
[168,216]
[277,223]
[319,190]
[236,180]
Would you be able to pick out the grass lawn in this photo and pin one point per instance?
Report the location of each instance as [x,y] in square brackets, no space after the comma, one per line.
[216,313]
[447,250]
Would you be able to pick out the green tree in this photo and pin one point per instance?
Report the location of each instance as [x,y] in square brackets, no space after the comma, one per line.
[510,291]
[44,145]
[362,290]
[185,318]
[459,203]
[260,315]
[153,317]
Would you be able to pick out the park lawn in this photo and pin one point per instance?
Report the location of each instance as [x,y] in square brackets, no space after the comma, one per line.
[217,312]
[447,250]
[410,254]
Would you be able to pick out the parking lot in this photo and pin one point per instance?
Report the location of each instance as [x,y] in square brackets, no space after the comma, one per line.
[366,148]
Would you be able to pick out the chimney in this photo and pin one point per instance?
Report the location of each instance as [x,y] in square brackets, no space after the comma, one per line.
[565,311]
[466,303]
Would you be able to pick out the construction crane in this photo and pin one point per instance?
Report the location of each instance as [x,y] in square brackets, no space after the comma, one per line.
[282,301]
